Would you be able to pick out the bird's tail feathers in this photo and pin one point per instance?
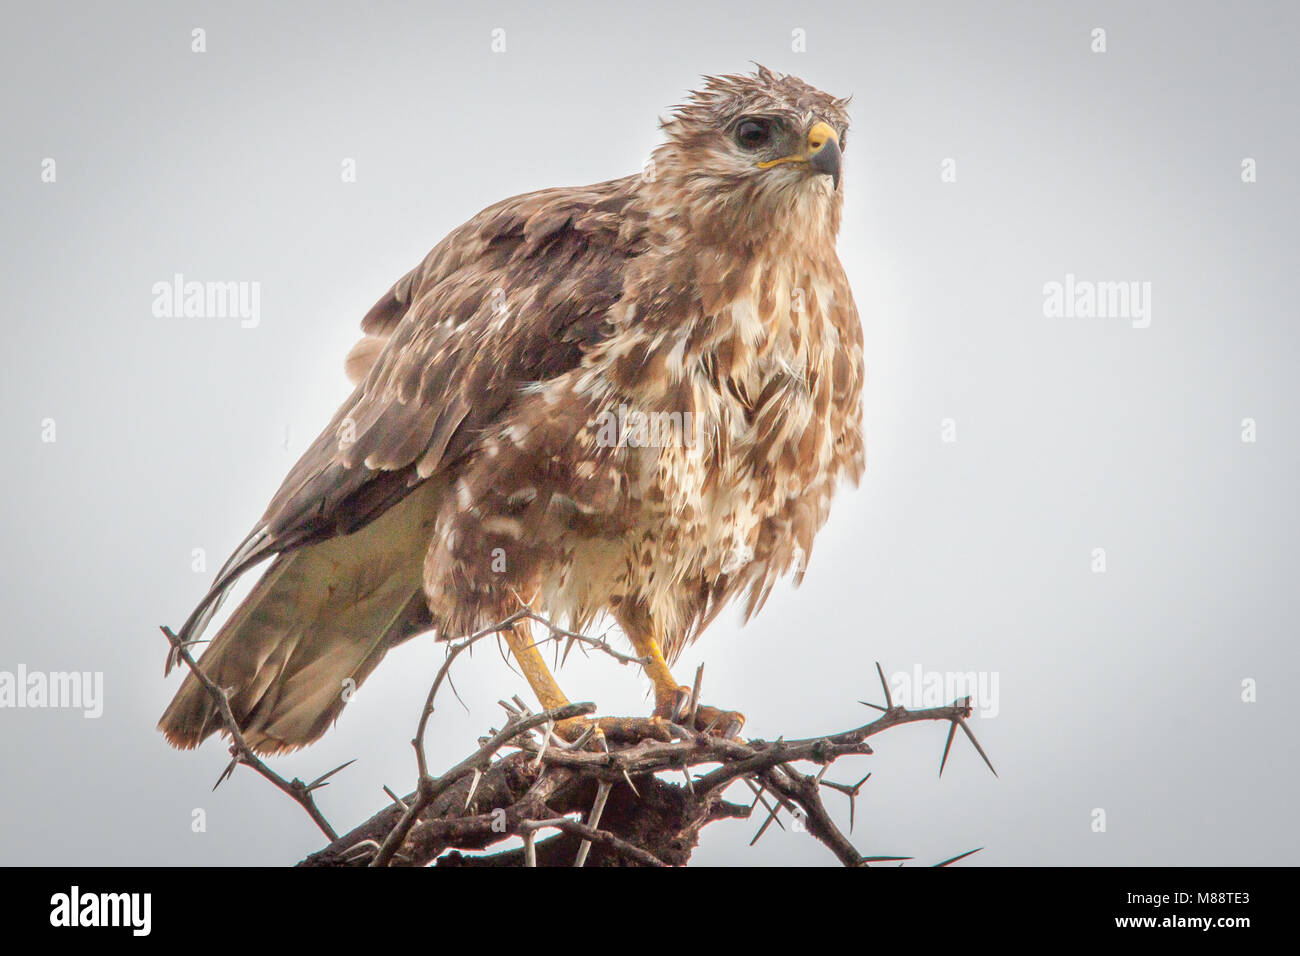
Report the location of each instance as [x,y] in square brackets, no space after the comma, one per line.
[311,630]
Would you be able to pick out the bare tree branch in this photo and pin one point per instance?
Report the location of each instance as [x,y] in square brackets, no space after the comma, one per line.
[523,779]
[299,791]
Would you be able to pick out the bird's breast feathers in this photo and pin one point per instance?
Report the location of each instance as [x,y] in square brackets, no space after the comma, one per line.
[729,429]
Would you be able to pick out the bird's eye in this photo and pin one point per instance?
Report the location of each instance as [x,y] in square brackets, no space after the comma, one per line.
[754,133]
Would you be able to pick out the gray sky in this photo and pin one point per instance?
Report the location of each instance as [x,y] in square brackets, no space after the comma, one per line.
[1120,691]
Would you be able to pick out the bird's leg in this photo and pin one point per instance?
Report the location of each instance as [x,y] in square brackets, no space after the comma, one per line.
[531,662]
[672,700]
[549,695]
[668,695]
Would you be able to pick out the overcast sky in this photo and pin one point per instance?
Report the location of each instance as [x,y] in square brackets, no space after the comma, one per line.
[1093,510]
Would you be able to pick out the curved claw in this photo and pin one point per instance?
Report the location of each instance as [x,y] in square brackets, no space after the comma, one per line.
[709,720]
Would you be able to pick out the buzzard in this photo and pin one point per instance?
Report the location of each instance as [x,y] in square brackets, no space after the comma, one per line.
[496,447]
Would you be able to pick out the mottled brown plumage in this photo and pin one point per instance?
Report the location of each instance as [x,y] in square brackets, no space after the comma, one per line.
[475,462]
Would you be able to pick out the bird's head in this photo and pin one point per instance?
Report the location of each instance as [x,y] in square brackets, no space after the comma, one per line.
[755,155]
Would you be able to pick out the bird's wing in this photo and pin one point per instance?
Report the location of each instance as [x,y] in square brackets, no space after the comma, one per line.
[516,295]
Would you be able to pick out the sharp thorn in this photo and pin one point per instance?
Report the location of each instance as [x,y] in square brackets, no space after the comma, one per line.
[546,739]
[695,695]
[980,749]
[889,700]
[225,774]
[952,729]
[959,857]
[767,823]
[320,781]
[593,821]
[363,848]
[473,787]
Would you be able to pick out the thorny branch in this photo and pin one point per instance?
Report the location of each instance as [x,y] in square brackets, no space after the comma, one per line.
[242,753]
[608,805]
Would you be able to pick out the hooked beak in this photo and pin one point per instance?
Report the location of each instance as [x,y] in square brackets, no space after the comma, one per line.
[824,150]
[822,153]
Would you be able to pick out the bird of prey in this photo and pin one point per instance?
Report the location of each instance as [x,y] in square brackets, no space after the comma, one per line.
[496,449]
